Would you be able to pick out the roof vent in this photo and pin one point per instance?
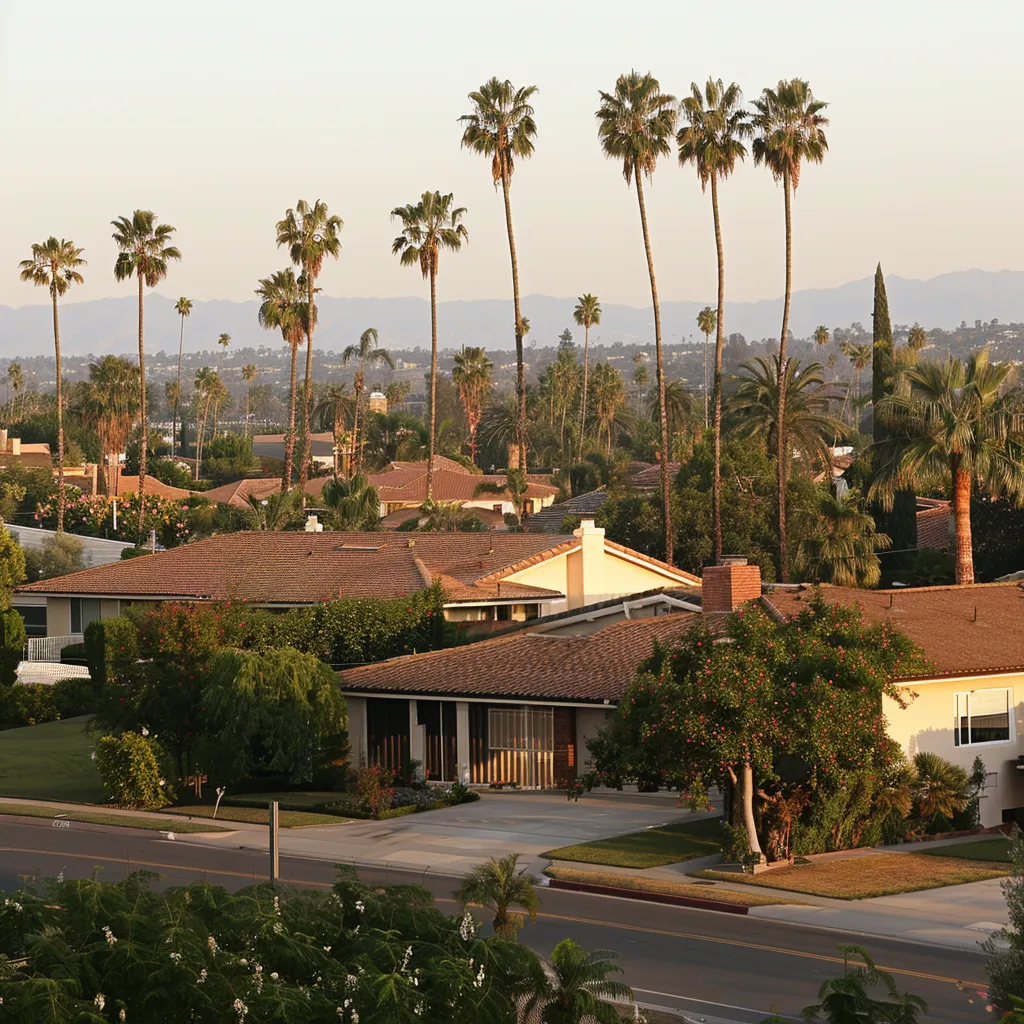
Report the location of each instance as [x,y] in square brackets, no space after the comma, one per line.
[410,543]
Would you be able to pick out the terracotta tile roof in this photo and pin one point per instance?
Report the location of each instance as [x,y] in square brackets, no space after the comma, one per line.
[410,485]
[491,519]
[592,668]
[962,630]
[651,477]
[440,462]
[549,520]
[236,493]
[304,568]
[933,523]
[130,485]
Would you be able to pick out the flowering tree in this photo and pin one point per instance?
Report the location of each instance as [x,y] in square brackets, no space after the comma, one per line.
[727,708]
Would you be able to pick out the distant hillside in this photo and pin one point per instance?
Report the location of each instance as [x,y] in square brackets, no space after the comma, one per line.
[108,325]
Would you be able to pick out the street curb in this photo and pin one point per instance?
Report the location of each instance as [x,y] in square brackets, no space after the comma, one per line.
[648,897]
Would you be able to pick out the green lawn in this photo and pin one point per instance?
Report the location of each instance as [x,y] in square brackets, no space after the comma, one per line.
[256,815]
[101,818]
[50,762]
[984,849]
[666,844]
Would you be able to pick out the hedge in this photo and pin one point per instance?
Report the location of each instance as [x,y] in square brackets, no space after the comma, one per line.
[109,642]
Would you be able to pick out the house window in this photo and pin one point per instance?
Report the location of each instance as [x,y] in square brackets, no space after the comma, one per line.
[982,716]
[83,611]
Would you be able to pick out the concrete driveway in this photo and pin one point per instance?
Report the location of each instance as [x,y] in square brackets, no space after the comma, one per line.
[452,840]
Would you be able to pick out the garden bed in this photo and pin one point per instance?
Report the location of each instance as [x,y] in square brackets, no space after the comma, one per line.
[653,847]
[859,878]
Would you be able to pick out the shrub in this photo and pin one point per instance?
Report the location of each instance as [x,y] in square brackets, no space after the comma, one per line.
[109,644]
[12,644]
[74,697]
[74,654]
[129,765]
[26,705]
[60,554]
[375,790]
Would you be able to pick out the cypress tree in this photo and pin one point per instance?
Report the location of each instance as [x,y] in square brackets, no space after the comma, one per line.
[881,360]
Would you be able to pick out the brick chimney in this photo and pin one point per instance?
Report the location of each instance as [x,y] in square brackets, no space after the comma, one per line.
[731,583]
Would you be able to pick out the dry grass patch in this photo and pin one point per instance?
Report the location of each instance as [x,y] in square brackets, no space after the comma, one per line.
[859,878]
[697,892]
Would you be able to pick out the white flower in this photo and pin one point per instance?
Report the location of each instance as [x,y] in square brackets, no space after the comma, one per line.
[351,981]
[144,731]
[176,957]
[100,1001]
[122,1015]
[60,875]
[240,1008]
[277,906]
[360,906]
[467,927]
[202,976]
[275,975]
[212,943]
[327,949]
[111,941]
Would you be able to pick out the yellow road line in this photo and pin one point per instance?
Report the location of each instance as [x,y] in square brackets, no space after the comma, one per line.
[552,917]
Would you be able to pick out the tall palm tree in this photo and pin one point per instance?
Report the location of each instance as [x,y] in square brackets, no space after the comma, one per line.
[249,373]
[707,318]
[609,397]
[144,251]
[284,308]
[183,307]
[807,429]
[587,314]
[202,392]
[789,126]
[821,335]
[367,352]
[334,410]
[839,544]
[859,356]
[639,379]
[678,407]
[224,340]
[472,378]
[501,126]
[577,988]
[220,397]
[953,418]
[16,380]
[352,504]
[311,235]
[429,226]
[500,886]
[55,265]
[712,140]
[635,125]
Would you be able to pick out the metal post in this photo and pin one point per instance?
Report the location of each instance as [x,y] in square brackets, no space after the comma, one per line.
[274,865]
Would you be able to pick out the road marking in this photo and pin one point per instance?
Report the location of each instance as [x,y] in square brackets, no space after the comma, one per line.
[705,1002]
[553,917]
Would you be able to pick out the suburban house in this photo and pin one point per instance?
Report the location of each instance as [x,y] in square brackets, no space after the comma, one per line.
[550,519]
[488,578]
[272,446]
[238,492]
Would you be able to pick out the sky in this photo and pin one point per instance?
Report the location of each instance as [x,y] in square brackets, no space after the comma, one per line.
[219,115]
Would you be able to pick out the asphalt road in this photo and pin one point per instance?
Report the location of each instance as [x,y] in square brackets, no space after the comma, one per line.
[727,966]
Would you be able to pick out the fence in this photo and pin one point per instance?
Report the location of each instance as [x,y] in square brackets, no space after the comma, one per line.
[48,648]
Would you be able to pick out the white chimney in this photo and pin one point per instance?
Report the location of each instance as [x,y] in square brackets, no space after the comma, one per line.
[313,525]
[585,581]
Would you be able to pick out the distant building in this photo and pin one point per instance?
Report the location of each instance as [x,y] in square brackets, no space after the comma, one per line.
[378,402]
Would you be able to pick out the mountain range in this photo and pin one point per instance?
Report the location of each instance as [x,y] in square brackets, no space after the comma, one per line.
[109,325]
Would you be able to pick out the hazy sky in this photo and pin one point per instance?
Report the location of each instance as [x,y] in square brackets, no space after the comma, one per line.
[218,115]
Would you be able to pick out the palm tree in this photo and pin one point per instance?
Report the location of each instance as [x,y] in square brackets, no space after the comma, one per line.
[500,886]
[839,544]
[501,126]
[821,335]
[712,140]
[429,226]
[515,487]
[577,988]
[202,393]
[249,373]
[635,125]
[55,265]
[183,307]
[587,314]
[272,513]
[284,308]
[953,418]
[678,407]
[396,393]
[859,356]
[352,504]
[808,429]
[609,397]
[367,352]
[707,318]
[334,410]
[789,126]
[311,235]
[639,379]
[16,380]
[472,378]
[219,396]
[940,788]
[144,250]
[449,517]
[224,340]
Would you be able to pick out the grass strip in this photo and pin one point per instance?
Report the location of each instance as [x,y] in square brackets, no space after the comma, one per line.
[691,891]
[653,847]
[997,850]
[102,818]
[257,815]
[860,878]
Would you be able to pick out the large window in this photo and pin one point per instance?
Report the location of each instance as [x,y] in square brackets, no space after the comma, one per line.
[983,716]
[83,611]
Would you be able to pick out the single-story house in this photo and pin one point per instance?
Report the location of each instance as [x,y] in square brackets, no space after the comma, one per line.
[488,578]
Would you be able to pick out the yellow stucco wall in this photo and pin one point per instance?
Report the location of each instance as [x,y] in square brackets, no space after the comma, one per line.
[927,724]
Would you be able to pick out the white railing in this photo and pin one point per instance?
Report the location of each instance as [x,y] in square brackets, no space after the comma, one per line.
[48,648]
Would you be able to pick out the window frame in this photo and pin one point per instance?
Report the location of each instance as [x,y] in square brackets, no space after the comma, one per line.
[1010,717]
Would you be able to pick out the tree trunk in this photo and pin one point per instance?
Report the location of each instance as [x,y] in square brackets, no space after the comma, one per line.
[705,382]
[433,371]
[665,498]
[358,389]
[177,397]
[307,393]
[962,520]
[289,441]
[716,478]
[748,808]
[60,420]
[520,370]
[583,398]
[780,453]
[142,416]
[245,430]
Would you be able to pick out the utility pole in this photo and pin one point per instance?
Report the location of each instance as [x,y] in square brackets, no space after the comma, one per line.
[274,860]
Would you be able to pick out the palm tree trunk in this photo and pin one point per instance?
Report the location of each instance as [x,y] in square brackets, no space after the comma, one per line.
[307,393]
[177,396]
[433,366]
[716,478]
[962,521]
[142,415]
[661,366]
[520,369]
[245,430]
[583,398]
[705,382]
[354,461]
[60,420]
[748,808]
[289,441]
[780,453]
